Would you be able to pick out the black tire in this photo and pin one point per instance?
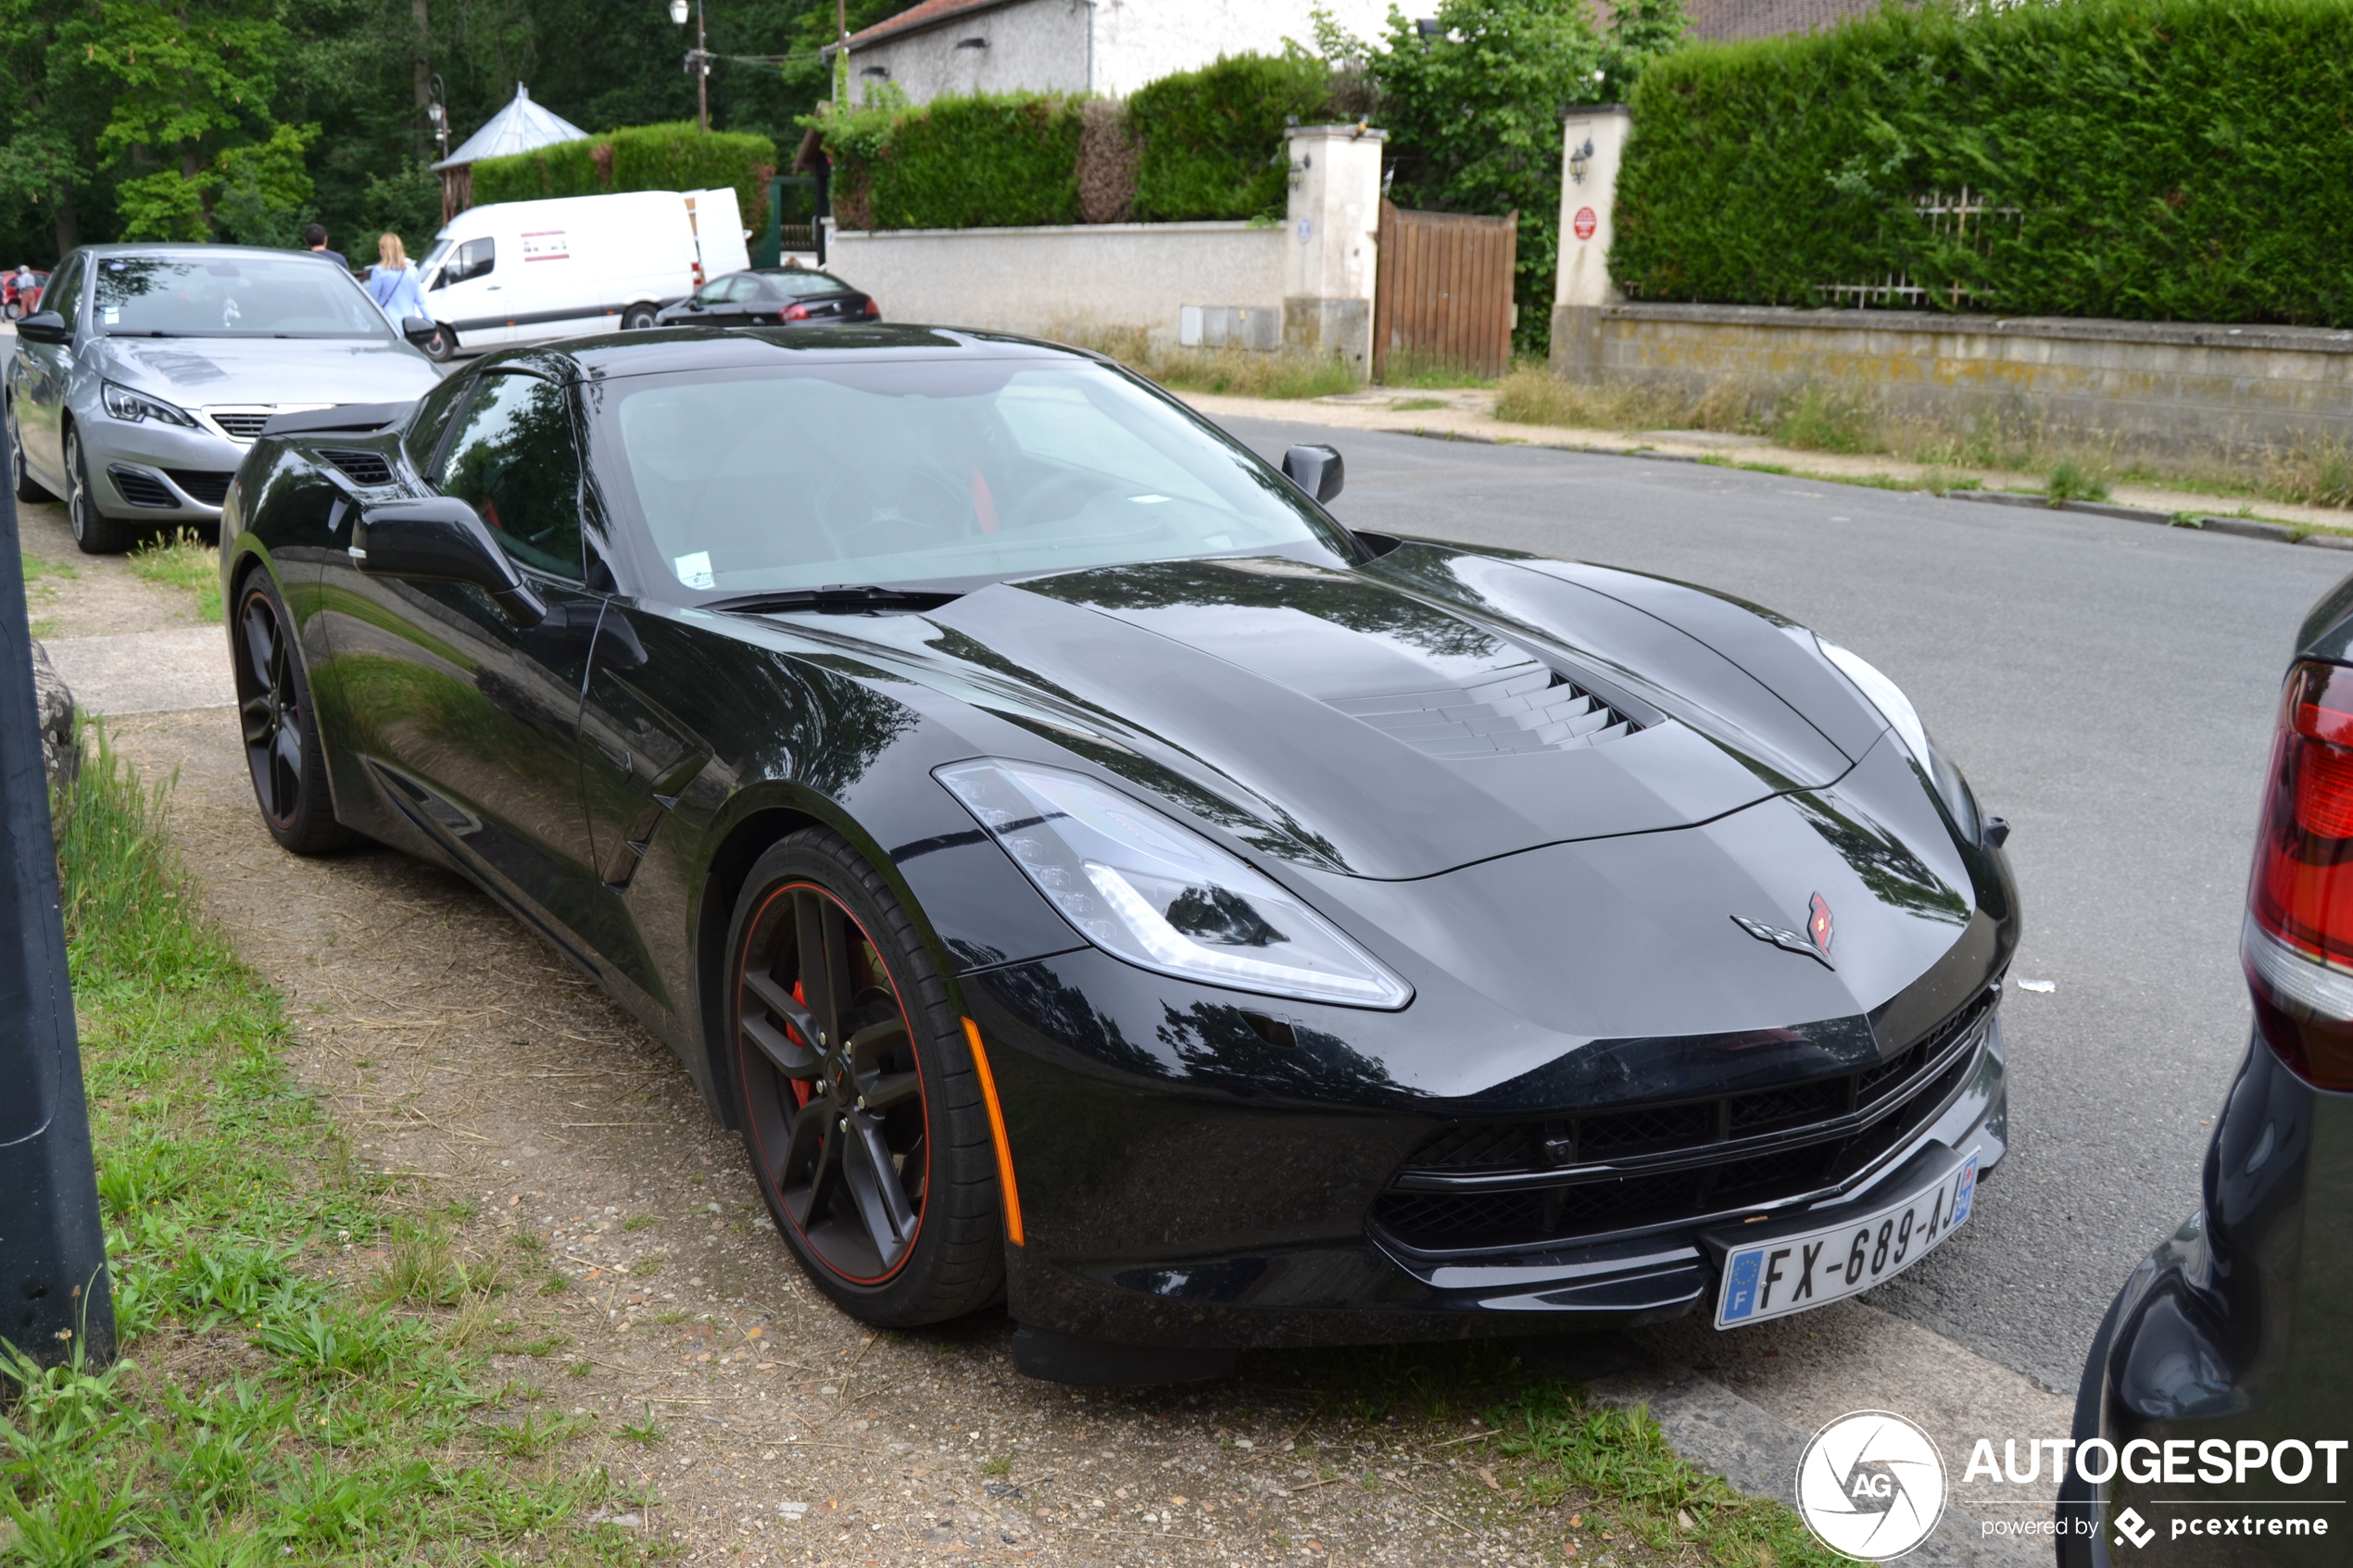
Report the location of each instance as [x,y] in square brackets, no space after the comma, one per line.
[892,1090]
[636,319]
[280,728]
[27,487]
[440,347]
[97,534]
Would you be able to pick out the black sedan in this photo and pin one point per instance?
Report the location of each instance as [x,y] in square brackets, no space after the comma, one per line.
[1090,875]
[2215,1419]
[772,296]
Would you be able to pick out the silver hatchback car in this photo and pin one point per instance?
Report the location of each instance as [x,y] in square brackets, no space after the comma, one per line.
[149,370]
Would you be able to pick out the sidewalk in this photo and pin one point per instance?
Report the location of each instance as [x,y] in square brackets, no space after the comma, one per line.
[1468,415]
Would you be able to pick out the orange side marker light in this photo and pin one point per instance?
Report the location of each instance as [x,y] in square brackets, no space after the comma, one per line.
[997,1130]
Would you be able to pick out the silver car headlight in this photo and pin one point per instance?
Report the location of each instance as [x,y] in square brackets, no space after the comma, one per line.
[1146,888]
[133,408]
[1889,698]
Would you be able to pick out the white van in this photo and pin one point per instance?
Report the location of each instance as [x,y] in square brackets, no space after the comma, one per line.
[524,272]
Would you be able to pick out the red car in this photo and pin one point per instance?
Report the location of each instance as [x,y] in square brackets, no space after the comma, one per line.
[19,302]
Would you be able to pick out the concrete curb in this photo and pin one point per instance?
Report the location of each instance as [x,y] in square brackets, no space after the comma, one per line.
[2240,527]
[1756,1451]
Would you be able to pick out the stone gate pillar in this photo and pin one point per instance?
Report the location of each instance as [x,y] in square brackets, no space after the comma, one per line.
[1330,241]
[1593,141]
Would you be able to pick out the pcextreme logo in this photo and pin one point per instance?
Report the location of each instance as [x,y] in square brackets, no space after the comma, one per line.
[1871,1484]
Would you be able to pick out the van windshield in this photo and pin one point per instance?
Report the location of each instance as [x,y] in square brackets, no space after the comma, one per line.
[232,296]
[921,471]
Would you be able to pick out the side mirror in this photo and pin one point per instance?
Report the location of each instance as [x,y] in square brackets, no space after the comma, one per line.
[1317,470]
[441,540]
[44,326]
[419,329]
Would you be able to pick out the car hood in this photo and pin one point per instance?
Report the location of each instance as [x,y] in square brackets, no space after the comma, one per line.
[1355,722]
[206,370]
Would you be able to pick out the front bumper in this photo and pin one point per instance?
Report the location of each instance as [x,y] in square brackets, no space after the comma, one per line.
[2232,1332]
[1187,1191]
[155,472]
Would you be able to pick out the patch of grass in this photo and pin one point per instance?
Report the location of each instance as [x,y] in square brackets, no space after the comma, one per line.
[1820,417]
[2320,474]
[996,1467]
[2071,481]
[640,1222]
[184,561]
[425,1270]
[263,1411]
[646,1433]
[1239,372]
[1416,404]
[646,1268]
[1530,396]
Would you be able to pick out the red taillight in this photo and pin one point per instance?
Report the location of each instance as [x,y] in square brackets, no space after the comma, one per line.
[793,313]
[874,309]
[2300,897]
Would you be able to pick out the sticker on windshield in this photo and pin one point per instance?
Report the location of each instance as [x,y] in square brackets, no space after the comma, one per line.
[108,314]
[694,570]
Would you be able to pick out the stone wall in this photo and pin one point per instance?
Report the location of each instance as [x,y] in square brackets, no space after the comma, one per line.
[2159,388]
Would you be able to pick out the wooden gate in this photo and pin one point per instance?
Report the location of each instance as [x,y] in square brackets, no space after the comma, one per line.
[1443,296]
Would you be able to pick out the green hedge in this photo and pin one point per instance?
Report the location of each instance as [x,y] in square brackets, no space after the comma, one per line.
[638,157]
[2170,159]
[1212,140]
[987,161]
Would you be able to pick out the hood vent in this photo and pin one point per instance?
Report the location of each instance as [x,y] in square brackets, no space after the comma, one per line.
[359,467]
[1525,707]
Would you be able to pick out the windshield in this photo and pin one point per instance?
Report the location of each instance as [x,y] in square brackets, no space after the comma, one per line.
[922,471]
[232,296]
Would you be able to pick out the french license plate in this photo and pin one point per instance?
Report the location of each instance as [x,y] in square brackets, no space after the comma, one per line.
[1795,1274]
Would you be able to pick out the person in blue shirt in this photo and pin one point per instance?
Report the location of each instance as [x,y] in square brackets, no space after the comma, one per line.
[391,283]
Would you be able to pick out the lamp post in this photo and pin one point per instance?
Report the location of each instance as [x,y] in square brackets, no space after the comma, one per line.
[437,112]
[697,60]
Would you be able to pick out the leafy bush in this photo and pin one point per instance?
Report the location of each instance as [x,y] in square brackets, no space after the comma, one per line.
[1213,139]
[2161,160]
[675,157]
[987,160]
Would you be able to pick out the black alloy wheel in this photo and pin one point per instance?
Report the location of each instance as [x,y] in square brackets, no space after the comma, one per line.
[283,751]
[636,319]
[27,487]
[93,530]
[861,1112]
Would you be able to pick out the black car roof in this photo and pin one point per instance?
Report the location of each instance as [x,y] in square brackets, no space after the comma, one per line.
[663,349]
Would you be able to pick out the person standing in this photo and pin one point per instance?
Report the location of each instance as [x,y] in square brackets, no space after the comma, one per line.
[391,283]
[315,237]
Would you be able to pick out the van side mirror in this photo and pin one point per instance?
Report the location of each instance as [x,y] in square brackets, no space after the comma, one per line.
[1315,468]
[441,540]
[44,326]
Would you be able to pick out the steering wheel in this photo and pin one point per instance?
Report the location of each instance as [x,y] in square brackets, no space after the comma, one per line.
[923,501]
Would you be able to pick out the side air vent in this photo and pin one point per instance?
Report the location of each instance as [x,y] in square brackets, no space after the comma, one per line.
[1525,707]
[141,489]
[359,467]
[210,486]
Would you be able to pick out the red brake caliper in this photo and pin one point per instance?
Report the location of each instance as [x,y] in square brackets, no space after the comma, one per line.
[800,1090]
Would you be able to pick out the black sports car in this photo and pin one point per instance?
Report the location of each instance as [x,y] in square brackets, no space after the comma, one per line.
[1088,873]
[2211,1423]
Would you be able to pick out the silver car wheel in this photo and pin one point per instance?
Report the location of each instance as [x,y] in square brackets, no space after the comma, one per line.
[97,534]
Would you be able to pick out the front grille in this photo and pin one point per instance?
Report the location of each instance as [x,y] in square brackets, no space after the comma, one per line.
[359,467]
[1525,707]
[1776,1144]
[141,489]
[242,427]
[202,485]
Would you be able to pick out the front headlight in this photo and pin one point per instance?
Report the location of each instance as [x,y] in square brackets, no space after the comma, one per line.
[1146,888]
[133,406]
[1889,698]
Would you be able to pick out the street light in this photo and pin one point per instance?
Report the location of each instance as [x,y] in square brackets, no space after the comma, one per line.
[697,60]
[437,112]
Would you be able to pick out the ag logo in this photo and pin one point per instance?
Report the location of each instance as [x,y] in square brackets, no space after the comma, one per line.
[1871,1486]
[2136,1529]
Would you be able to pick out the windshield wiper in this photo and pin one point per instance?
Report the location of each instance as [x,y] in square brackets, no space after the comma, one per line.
[144,332]
[835,596]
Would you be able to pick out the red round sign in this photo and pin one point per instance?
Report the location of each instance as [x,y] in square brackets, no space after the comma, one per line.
[1586,223]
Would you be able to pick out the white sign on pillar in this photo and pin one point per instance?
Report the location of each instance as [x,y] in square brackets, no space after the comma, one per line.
[1593,141]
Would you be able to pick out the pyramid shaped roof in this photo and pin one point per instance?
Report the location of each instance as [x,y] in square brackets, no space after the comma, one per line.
[523,126]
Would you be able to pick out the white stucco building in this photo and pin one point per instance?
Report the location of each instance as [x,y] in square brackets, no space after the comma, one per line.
[1105,48]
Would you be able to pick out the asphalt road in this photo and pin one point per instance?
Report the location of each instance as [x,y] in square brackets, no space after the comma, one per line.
[2108,687]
